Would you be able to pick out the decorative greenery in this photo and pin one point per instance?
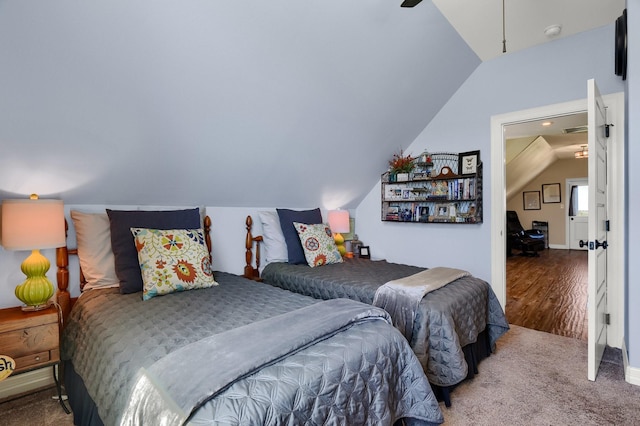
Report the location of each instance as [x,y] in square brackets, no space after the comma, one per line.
[401,163]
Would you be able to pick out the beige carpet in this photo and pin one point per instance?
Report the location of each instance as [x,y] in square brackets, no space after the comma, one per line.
[537,378]
[533,378]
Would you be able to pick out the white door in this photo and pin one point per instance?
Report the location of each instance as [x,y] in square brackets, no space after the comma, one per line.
[579,231]
[597,287]
[578,221]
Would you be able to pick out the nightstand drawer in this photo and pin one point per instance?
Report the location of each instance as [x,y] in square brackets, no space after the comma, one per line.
[29,341]
[35,360]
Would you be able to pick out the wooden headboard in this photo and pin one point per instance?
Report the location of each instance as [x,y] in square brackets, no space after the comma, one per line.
[249,271]
[62,275]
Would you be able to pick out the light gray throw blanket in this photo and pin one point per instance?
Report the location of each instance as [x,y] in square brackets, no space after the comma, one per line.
[401,297]
[173,388]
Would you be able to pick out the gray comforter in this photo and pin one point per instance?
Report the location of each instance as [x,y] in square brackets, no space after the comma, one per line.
[447,319]
[364,374]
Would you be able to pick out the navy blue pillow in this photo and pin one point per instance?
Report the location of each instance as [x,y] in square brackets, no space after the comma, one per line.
[122,242]
[287,217]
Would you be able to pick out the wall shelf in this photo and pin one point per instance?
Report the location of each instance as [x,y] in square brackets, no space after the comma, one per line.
[433,193]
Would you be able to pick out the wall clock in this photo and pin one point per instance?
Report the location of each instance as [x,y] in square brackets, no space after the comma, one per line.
[621,45]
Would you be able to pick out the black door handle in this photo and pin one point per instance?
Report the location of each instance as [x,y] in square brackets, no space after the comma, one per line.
[582,243]
[603,244]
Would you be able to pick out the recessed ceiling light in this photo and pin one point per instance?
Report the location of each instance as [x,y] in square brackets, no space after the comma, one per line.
[552,30]
[547,123]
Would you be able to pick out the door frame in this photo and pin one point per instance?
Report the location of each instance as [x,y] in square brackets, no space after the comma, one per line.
[568,184]
[616,193]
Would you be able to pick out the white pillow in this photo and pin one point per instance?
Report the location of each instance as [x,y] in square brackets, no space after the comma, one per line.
[93,236]
[273,243]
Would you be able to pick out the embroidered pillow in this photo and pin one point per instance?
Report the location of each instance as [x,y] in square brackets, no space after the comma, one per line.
[172,260]
[318,244]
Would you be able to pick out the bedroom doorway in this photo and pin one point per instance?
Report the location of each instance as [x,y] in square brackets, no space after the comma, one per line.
[547,292]
[615,159]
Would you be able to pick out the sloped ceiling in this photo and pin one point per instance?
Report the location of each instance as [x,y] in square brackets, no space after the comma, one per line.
[225,103]
[524,160]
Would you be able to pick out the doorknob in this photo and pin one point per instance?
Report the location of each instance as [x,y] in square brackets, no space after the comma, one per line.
[582,243]
[603,244]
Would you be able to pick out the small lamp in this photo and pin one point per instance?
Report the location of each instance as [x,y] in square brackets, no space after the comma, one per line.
[33,224]
[339,222]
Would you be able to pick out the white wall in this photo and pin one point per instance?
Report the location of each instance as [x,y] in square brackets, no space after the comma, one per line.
[632,331]
[512,82]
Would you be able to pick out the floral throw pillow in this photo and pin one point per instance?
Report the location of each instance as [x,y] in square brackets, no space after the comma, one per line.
[172,260]
[318,244]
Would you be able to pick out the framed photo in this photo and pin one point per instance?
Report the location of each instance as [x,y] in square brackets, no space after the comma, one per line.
[468,162]
[531,200]
[551,193]
[363,252]
[441,211]
[423,214]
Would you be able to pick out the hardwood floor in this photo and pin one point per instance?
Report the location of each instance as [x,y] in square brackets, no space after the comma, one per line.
[549,292]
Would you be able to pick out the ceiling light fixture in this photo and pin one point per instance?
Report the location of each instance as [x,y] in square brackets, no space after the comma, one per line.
[583,153]
[547,123]
[552,30]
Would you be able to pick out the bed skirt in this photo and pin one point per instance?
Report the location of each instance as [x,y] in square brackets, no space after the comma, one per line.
[85,412]
[473,354]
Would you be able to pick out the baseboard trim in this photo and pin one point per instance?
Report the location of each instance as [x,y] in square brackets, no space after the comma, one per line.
[26,382]
[631,374]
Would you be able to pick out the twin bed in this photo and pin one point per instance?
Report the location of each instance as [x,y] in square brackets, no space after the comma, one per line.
[454,326]
[195,347]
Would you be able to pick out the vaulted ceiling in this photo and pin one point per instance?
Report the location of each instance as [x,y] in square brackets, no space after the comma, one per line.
[231,103]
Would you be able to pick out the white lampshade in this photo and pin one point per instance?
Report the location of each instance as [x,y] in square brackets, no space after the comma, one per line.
[339,221]
[29,224]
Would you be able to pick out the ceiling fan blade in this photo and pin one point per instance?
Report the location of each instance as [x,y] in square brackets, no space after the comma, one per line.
[410,3]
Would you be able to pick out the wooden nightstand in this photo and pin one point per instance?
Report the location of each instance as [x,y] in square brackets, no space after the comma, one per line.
[32,339]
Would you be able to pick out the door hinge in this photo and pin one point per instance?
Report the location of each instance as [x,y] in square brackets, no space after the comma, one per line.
[607,319]
[606,130]
[606,225]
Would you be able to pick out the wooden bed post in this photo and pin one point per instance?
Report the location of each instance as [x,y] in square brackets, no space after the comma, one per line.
[62,277]
[207,236]
[249,271]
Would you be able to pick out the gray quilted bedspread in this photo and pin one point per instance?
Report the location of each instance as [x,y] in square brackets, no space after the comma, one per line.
[365,374]
[447,319]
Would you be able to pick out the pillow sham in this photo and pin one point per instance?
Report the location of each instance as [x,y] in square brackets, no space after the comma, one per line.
[93,238]
[124,251]
[273,243]
[318,244]
[172,260]
[287,217]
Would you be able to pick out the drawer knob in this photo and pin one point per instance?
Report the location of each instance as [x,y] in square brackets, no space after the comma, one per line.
[38,358]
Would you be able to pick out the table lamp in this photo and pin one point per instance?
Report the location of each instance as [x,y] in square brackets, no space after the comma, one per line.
[33,224]
[339,222]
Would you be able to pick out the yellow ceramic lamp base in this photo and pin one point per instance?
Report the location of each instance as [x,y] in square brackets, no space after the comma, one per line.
[339,239]
[36,290]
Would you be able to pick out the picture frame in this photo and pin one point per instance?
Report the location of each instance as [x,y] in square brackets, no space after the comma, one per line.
[441,211]
[363,252]
[531,200]
[551,193]
[468,162]
[423,214]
